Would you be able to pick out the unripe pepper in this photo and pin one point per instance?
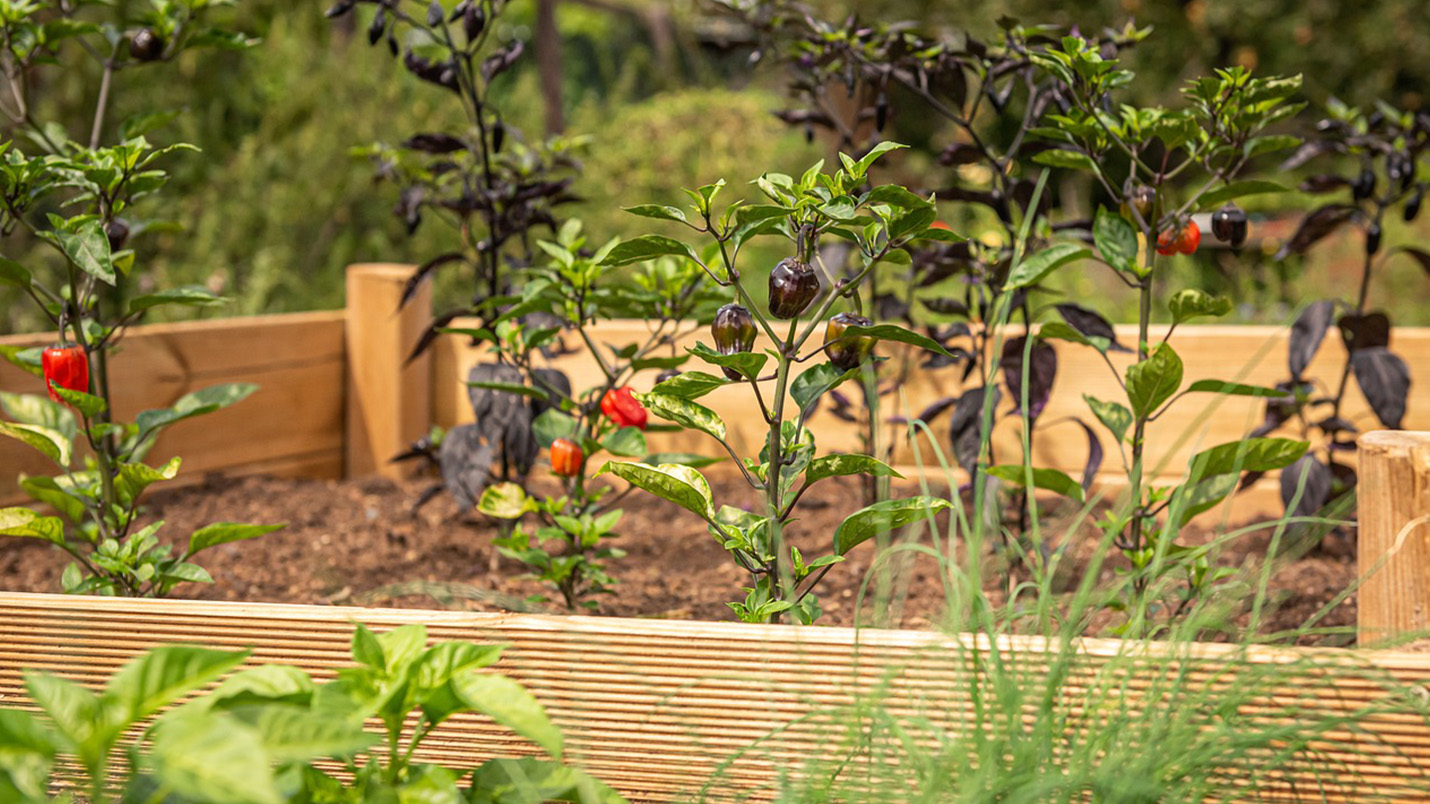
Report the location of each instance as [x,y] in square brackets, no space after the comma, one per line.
[1144,200]
[67,366]
[733,331]
[565,457]
[793,285]
[847,351]
[621,407]
[1229,225]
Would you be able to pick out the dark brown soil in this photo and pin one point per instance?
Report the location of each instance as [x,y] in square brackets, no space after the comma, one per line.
[359,542]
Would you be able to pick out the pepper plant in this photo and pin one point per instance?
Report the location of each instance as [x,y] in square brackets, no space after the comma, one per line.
[1159,166]
[80,196]
[1384,147]
[498,194]
[575,290]
[879,223]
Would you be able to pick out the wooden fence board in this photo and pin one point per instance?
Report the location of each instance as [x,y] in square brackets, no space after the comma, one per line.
[293,423]
[656,707]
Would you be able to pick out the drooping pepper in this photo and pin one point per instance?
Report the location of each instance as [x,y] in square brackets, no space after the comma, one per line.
[1144,200]
[847,351]
[733,331]
[1229,225]
[793,285]
[65,365]
[621,407]
[565,457]
[147,45]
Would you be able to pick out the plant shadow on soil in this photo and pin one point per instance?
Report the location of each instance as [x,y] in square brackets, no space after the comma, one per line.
[359,542]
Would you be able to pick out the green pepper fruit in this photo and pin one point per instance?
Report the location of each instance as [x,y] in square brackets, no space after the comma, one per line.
[733,331]
[793,285]
[847,351]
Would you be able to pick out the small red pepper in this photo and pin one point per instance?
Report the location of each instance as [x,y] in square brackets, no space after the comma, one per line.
[621,407]
[565,457]
[67,367]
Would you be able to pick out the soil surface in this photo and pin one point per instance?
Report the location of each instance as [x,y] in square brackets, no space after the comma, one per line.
[360,542]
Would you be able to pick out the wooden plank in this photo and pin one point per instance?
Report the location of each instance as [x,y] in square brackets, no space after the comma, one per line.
[388,404]
[296,359]
[1392,551]
[1248,354]
[658,707]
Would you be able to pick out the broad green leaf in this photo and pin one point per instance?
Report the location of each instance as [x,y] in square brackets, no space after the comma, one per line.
[53,444]
[628,442]
[1203,495]
[512,388]
[40,410]
[760,212]
[679,484]
[25,523]
[133,478]
[531,780]
[689,385]
[27,360]
[551,425]
[206,400]
[1189,303]
[1154,380]
[1234,389]
[440,663]
[74,711]
[158,678]
[647,247]
[264,683]
[817,380]
[188,296]
[1116,240]
[225,532]
[746,363]
[1071,160]
[13,273]
[212,759]
[293,734]
[687,414]
[681,458]
[1114,416]
[851,464]
[48,491]
[1032,269]
[893,332]
[896,196]
[1043,478]
[1247,455]
[657,211]
[88,405]
[1239,189]
[862,166]
[1062,331]
[883,517]
[504,501]
[510,705]
[88,249]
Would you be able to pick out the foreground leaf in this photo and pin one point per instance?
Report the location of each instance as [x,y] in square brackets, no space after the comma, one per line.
[883,517]
[678,484]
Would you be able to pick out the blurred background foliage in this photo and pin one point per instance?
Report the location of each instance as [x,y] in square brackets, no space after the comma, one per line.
[275,206]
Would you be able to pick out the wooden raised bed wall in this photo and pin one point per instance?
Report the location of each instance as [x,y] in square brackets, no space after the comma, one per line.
[337,396]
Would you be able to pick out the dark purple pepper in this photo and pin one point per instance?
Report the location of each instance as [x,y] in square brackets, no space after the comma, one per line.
[1372,238]
[1364,185]
[847,351]
[1229,225]
[881,111]
[117,231]
[146,45]
[434,14]
[378,26]
[1412,207]
[733,331]
[668,374]
[474,20]
[793,285]
[498,136]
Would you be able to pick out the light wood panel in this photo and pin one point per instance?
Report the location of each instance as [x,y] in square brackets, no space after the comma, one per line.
[1248,354]
[292,424]
[1393,551]
[657,708]
[388,402]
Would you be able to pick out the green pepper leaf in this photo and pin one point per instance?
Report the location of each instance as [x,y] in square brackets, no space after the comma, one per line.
[504,501]
[1154,380]
[689,385]
[1189,303]
[840,465]
[688,414]
[1247,455]
[882,517]
[681,485]
[816,381]
[53,444]
[1043,478]
[26,523]
[1116,240]
[225,532]
[1032,269]
[746,363]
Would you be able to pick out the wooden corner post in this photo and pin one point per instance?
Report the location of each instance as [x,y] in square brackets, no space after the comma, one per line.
[1393,545]
[388,400]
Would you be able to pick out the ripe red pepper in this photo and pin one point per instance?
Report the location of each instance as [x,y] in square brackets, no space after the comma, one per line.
[623,408]
[565,457]
[1184,241]
[67,367]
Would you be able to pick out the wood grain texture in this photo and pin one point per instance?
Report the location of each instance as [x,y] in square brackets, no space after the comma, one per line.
[1393,540]
[294,422]
[388,403]
[1248,354]
[659,708]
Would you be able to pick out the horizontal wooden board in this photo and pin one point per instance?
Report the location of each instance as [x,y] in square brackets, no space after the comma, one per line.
[660,708]
[293,423]
[1248,354]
